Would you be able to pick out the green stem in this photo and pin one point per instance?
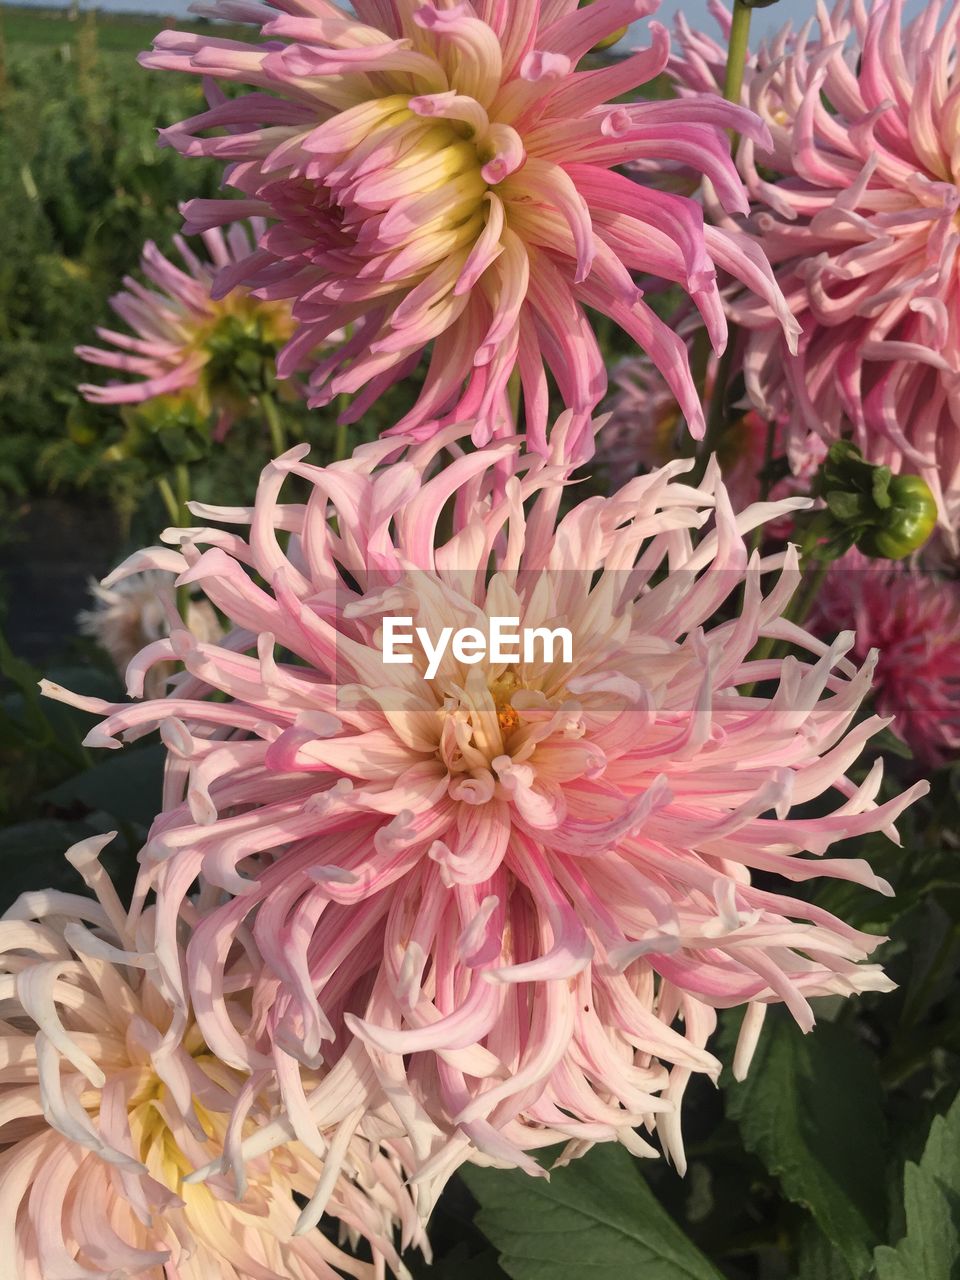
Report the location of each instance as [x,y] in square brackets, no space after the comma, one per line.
[765,476]
[341,443]
[182,477]
[799,608]
[732,87]
[737,49]
[278,436]
[768,448]
[169,499]
[756,538]
[513,397]
[717,413]
[700,360]
[797,612]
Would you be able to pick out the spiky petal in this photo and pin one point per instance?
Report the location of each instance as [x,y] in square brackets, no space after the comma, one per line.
[511,880]
[446,175]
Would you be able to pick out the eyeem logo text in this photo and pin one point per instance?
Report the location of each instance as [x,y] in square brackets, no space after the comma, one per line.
[506,642]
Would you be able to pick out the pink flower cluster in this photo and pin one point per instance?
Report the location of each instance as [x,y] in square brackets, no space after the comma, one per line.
[645,430]
[856,207]
[508,881]
[174,319]
[395,916]
[911,617]
[446,176]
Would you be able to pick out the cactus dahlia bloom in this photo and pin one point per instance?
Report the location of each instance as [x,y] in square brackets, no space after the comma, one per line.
[187,344]
[856,206]
[445,175]
[511,879]
[913,619]
[137,610]
[645,430]
[104,1117]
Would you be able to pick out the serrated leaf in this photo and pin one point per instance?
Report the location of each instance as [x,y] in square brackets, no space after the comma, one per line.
[931,1192]
[596,1215]
[812,1110]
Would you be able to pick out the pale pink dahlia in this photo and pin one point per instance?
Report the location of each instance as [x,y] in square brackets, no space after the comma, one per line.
[856,206]
[510,880]
[185,343]
[444,176]
[136,611]
[912,618]
[645,430]
[104,1115]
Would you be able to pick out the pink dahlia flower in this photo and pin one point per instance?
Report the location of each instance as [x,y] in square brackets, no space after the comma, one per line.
[135,612]
[856,205]
[511,879]
[645,430]
[443,174]
[104,1116]
[912,618]
[179,329]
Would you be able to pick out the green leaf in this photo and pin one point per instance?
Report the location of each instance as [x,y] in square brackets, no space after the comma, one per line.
[597,1215]
[812,1110]
[126,785]
[818,1259]
[931,1194]
[846,506]
[880,489]
[458,1264]
[31,857]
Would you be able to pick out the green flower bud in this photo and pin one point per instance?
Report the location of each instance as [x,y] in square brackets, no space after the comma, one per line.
[911,518]
[884,515]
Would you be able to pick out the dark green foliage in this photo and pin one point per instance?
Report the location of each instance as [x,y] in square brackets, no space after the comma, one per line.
[931,1245]
[812,1109]
[83,185]
[597,1213]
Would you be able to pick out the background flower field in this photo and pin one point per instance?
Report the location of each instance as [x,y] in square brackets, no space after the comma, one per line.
[838,1158]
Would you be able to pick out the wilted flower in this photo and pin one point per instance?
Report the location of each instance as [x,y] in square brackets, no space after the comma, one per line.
[135,612]
[856,206]
[510,879]
[105,1115]
[912,618]
[216,354]
[444,174]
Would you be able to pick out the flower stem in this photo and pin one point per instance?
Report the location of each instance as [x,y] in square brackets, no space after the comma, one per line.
[514,387]
[800,605]
[797,612]
[717,413]
[737,52]
[182,477]
[278,437]
[737,49]
[341,443]
[169,499]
